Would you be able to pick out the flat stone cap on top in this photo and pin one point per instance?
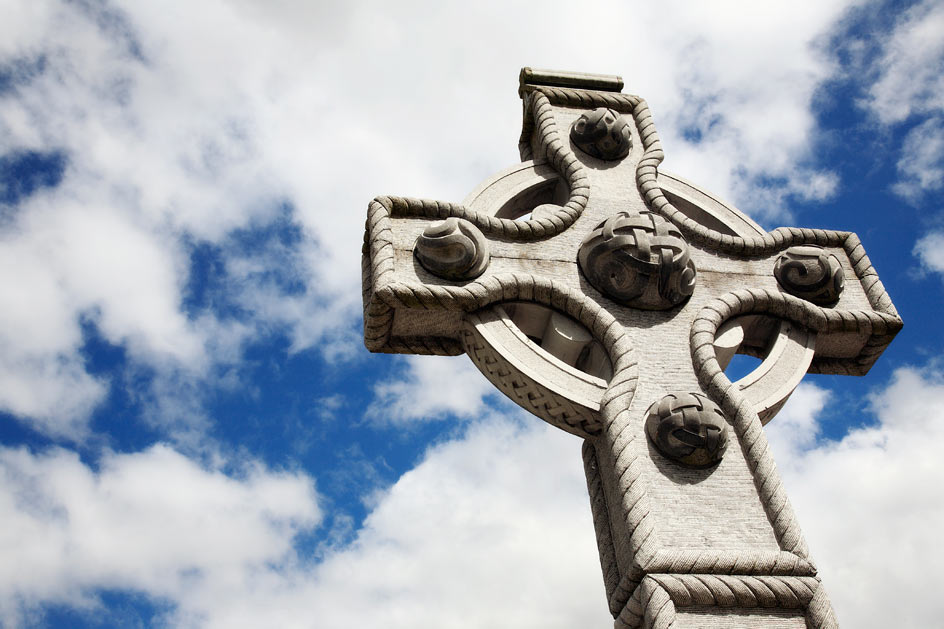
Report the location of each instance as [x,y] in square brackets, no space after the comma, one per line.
[578,80]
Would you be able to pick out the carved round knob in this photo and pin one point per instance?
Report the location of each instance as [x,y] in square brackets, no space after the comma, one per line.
[454,249]
[688,428]
[811,273]
[639,260]
[602,133]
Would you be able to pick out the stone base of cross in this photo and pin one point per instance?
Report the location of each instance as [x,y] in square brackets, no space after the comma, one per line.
[607,298]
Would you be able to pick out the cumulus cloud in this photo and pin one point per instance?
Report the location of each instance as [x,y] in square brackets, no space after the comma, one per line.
[492,528]
[909,89]
[747,138]
[910,80]
[162,152]
[501,512]
[489,530]
[432,388]
[154,522]
[796,427]
[921,166]
[930,251]
[868,502]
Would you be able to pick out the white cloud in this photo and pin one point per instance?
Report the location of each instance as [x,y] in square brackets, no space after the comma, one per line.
[796,428]
[909,87]
[432,387]
[910,80]
[54,390]
[744,85]
[72,263]
[152,521]
[161,127]
[930,251]
[492,529]
[921,166]
[870,503]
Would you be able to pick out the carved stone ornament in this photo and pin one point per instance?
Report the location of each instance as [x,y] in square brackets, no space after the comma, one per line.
[454,249]
[602,133]
[556,324]
[811,273]
[638,260]
[688,428]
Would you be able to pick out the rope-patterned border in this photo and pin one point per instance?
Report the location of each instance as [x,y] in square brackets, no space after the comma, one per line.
[527,392]
[624,103]
[618,588]
[556,151]
[655,602]
[647,174]
[753,439]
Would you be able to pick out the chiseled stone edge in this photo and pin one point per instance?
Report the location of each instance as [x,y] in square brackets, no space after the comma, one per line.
[619,587]
[654,603]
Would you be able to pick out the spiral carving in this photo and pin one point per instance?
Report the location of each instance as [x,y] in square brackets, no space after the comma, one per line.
[688,428]
[453,249]
[638,260]
[811,273]
[602,133]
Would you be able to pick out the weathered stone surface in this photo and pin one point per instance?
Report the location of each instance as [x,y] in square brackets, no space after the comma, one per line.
[587,350]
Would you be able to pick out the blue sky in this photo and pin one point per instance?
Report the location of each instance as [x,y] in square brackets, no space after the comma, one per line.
[191,431]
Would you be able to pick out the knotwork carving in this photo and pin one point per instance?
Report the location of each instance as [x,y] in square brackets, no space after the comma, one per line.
[639,260]
[811,273]
[688,428]
[453,249]
[525,391]
[602,133]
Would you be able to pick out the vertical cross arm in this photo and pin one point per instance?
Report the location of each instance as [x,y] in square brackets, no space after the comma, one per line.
[849,335]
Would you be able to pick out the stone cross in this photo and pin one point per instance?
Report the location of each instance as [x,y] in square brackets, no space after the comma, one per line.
[607,298]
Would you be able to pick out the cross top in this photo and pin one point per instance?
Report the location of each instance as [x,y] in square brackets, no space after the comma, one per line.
[606,298]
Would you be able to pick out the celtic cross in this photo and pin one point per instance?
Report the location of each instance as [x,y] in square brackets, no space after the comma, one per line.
[607,298]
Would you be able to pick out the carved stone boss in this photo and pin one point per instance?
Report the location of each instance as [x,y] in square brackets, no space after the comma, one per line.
[607,298]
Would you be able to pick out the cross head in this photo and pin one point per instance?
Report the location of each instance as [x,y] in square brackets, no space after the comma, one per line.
[607,297]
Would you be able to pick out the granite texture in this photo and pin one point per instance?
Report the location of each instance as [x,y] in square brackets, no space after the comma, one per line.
[679,545]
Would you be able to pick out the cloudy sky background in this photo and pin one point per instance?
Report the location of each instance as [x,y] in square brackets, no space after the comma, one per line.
[191,432]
